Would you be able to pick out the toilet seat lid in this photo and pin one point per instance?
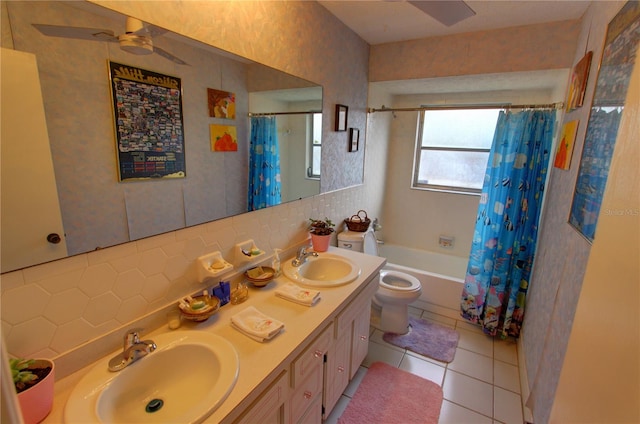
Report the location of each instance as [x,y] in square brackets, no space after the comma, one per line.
[400,281]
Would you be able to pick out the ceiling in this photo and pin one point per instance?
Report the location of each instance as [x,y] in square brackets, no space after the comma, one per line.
[385,21]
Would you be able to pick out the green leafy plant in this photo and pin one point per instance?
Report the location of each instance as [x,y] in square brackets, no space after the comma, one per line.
[320,227]
[22,375]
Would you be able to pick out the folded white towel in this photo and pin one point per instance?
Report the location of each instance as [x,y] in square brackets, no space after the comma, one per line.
[299,295]
[256,325]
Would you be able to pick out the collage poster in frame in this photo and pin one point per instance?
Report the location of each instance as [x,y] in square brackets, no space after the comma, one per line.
[147,110]
[616,67]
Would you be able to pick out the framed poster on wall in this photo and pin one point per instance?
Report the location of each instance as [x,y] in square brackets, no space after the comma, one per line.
[618,59]
[147,109]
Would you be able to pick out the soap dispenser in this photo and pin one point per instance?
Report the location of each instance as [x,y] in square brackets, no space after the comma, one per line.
[275,263]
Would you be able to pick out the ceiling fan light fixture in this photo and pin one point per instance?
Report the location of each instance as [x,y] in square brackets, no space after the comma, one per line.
[136,44]
[447,12]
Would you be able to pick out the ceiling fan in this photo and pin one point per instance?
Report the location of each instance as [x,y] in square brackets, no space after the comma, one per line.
[448,12]
[137,39]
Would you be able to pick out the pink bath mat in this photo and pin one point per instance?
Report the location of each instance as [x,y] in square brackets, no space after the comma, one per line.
[390,395]
[427,338]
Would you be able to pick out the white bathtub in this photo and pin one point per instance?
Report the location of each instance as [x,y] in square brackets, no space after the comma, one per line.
[441,276]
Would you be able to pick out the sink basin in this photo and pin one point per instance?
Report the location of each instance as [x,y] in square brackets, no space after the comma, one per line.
[184,380]
[326,270]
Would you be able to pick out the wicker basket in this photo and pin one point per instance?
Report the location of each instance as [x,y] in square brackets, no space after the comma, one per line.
[357,222]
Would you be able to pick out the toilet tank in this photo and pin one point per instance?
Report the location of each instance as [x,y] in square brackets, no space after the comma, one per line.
[351,240]
[359,241]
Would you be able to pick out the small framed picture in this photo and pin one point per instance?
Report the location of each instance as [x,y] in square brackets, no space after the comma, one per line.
[354,139]
[341,117]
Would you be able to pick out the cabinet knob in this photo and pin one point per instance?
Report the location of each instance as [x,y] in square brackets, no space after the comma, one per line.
[318,354]
[54,238]
[341,369]
[363,337]
[307,394]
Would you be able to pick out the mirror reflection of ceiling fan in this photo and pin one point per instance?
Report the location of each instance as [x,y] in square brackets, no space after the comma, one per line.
[137,39]
[448,12]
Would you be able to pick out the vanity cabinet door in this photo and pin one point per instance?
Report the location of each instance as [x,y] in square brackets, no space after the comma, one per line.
[314,413]
[271,405]
[336,371]
[360,341]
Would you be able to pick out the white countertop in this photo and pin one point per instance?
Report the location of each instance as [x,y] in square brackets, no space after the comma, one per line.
[259,362]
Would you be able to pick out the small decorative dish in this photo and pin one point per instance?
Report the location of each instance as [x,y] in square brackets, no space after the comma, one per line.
[260,276]
[199,308]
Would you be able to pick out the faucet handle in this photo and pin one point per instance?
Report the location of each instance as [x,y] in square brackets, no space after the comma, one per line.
[132,337]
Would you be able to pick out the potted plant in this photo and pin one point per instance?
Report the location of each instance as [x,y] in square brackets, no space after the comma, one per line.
[33,380]
[321,233]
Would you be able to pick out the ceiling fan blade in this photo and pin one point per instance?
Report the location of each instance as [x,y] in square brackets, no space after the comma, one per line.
[448,12]
[169,56]
[93,34]
[155,31]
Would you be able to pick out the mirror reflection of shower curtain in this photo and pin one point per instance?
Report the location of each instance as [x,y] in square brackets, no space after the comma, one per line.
[265,187]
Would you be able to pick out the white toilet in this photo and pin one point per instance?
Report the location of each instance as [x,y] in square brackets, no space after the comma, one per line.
[396,289]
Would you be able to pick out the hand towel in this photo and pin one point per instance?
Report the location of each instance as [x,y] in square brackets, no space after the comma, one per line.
[256,325]
[298,295]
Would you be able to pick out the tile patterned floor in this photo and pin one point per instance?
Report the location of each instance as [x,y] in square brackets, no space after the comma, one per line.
[481,385]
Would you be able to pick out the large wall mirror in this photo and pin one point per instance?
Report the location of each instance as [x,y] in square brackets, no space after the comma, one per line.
[97,209]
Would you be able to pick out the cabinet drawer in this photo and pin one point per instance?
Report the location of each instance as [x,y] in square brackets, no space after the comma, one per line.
[313,414]
[312,357]
[305,395]
[268,407]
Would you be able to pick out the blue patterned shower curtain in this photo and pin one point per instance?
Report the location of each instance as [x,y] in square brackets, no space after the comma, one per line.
[264,164]
[504,239]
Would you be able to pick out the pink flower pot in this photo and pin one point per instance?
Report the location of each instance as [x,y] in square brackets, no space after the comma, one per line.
[320,243]
[36,401]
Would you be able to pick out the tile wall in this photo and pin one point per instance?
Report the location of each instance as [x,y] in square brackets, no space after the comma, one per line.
[52,309]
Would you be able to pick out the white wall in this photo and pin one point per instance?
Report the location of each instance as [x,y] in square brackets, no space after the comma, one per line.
[416,218]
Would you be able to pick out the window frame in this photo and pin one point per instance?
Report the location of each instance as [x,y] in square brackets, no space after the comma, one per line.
[310,146]
[419,148]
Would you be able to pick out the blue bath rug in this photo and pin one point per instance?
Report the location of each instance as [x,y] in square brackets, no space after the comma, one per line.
[427,339]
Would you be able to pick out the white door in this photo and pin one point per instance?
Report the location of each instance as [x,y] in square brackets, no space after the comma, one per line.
[30,211]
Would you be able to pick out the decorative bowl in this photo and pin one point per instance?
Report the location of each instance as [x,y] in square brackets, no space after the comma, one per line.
[260,276]
[199,315]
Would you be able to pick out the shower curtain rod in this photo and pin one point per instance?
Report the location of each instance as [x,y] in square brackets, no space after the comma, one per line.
[559,105]
[284,113]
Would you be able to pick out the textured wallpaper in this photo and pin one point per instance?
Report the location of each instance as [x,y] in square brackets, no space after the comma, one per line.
[301,38]
[524,48]
[562,252]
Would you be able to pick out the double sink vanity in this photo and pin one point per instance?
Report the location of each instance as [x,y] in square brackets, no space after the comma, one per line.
[211,372]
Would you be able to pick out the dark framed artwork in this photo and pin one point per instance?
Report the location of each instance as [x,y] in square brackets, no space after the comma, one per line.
[342,112]
[616,68]
[354,139]
[147,109]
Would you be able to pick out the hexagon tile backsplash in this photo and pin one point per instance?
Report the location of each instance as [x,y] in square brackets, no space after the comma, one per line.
[50,309]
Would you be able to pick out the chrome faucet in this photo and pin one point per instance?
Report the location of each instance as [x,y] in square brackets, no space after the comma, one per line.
[302,256]
[133,349]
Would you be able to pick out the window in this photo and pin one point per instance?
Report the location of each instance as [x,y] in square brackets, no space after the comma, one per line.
[314,146]
[452,149]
